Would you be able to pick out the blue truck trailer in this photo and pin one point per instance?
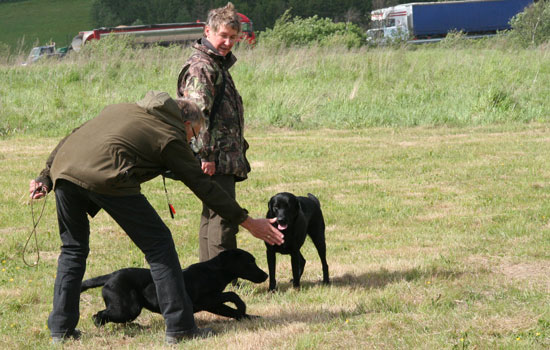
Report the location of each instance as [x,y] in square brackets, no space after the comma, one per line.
[433,20]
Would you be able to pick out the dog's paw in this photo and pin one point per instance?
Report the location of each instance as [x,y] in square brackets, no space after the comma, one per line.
[98,320]
[295,285]
[252,317]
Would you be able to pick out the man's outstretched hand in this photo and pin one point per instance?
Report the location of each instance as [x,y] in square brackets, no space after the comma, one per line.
[262,229]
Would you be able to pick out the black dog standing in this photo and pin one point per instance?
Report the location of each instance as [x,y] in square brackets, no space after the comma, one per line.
[296,218]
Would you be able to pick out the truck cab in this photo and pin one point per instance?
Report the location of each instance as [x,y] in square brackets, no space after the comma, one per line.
[247,29]
[390,24]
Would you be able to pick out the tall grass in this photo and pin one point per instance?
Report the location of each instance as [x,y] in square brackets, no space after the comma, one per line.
[298,88]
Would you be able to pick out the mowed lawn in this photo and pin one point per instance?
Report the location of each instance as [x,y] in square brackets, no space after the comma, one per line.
[437,238]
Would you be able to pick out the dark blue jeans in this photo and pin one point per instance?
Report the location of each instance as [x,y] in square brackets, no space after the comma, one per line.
[145,228]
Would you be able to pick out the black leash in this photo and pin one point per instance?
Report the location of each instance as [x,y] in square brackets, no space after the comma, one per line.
[35,223]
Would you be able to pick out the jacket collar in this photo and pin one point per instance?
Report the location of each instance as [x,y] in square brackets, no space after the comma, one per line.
[206,47]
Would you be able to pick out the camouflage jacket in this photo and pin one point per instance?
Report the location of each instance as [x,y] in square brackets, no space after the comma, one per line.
[200,80]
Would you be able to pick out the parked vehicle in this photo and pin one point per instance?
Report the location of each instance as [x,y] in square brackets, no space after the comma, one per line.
[46,51]
[162,34]
[431,21]
[247,30]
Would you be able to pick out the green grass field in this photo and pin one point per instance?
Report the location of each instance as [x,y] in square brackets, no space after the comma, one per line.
[430,164]
[28,23]
[437,239]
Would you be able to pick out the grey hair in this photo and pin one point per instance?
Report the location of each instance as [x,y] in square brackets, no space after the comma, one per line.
[190,111]
[221,16]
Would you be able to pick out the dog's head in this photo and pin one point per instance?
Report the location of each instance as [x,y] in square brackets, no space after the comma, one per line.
[285,207]
[242,264]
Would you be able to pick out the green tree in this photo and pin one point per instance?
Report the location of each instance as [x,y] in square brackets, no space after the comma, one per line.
[299,31]
[532,27]
[263,13]
[110,13]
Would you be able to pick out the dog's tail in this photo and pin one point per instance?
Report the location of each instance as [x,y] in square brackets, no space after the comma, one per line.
[313,198]
[94,282]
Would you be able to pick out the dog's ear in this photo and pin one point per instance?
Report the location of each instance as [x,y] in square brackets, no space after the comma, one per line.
[296,208]
[270,214]
[299,207]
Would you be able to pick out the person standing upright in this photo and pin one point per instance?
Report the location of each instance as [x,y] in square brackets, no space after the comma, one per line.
[205,79]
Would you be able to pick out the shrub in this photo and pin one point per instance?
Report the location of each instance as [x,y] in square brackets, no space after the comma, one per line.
[532,27]
[453,39]
[5,52]
[310,31]
[112,47]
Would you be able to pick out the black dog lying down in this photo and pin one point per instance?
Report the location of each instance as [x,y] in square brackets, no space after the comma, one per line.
[296,217]
[127,291]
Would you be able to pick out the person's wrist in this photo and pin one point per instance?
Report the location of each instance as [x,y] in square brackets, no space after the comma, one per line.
[248,222]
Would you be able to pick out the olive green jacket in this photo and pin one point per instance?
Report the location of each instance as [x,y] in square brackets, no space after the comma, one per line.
[130,143]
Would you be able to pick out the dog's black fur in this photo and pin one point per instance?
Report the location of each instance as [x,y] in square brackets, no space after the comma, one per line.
[127,291]
[296,217]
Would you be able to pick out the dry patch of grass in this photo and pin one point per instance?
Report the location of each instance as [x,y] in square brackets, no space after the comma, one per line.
[531,273]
